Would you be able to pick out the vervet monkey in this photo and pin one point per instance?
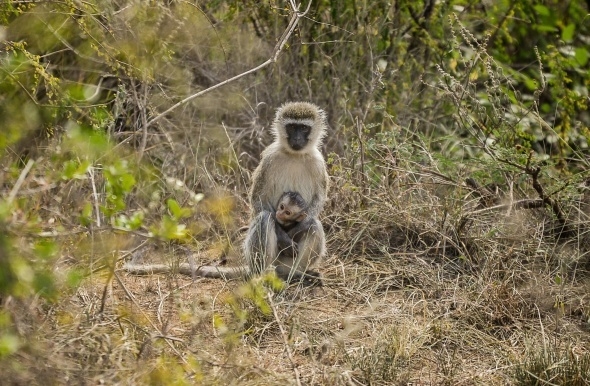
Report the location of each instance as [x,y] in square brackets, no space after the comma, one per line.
[292,223]
[290,212]
[292,163]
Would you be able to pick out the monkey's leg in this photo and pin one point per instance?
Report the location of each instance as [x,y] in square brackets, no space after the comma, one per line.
[283,239]
[306,278]
[311,249]
[260,246]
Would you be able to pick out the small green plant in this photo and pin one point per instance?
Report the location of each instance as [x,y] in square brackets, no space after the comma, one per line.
[383,363]
[248,304]
[553,366]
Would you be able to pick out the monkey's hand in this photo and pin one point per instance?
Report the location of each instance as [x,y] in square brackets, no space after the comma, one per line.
[301,229]
[284,241]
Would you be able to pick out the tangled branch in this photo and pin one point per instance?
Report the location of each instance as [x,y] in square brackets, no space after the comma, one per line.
[296,16]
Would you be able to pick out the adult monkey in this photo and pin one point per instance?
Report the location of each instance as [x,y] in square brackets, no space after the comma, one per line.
[293,162]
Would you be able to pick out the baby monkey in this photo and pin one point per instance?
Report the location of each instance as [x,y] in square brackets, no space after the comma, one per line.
[292,223]
[291,211]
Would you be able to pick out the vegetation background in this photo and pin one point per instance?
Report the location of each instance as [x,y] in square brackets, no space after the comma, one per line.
[458,229]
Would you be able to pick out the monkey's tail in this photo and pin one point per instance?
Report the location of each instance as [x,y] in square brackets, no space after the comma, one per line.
[209,271]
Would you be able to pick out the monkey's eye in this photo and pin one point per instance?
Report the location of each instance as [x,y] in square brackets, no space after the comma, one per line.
[281,207]
[288,213]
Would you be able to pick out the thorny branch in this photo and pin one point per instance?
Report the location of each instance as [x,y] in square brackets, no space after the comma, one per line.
[534,173]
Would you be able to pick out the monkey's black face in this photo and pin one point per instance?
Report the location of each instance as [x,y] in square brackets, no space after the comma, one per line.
[297,135]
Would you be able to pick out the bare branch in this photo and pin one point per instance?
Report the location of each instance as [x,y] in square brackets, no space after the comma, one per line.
[20,181]
[95,196]
[142,106]
[276,52]
[527,203]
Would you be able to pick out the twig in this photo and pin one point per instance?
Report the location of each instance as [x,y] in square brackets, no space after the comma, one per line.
[534,172]
[285,340]
[108,285]
[39,189]
[166,338]
[142,112]
[276,52]
[553,204]
[240,168]
[20,181]
[359,133]
[506,16]
[520,204]
[95,195]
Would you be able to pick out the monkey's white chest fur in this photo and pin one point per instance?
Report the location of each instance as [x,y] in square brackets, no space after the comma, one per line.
[301,174]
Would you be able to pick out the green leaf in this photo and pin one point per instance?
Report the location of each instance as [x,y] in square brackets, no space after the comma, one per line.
[170,229]
[582,55]
[542,10]
[45,249]
[173,207]
[69,170]
[568,32]
[74,277]
[9,343]
[176,211]
[530,84]
[44,285]
[130,223]
[127,182]
[86,215]
[74,170]
[136,220]
[85,142]
[273,281]
[546,28]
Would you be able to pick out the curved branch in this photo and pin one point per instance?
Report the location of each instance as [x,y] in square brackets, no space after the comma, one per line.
[276,52]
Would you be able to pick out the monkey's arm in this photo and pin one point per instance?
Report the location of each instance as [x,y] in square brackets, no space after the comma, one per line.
[285,243]
[258,201]
[283,239]
[316,204]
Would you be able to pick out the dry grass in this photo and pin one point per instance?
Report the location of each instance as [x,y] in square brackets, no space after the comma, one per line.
[428,280]
[408,300]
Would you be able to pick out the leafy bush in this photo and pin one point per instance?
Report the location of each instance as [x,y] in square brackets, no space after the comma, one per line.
[457,147]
